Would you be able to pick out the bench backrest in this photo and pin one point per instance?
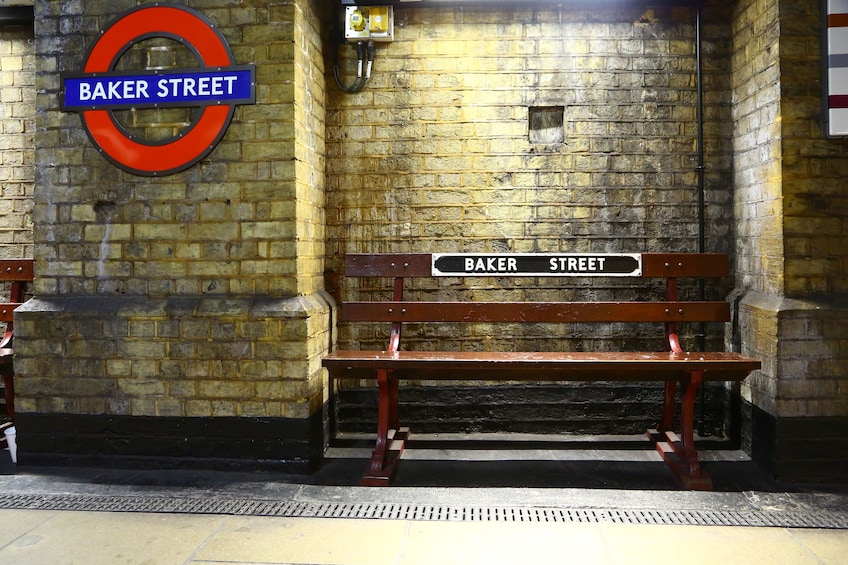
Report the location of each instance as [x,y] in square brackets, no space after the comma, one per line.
[668,310]
[654,265]
[19,272]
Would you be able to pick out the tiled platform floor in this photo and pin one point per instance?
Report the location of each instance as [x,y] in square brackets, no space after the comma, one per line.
[57,537]
[40,520]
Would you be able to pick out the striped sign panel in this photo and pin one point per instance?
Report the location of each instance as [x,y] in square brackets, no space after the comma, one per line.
[837,68]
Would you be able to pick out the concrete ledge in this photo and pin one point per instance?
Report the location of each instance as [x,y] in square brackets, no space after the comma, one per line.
[213,305]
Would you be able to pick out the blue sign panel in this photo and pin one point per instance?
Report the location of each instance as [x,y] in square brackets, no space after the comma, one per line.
[232,85]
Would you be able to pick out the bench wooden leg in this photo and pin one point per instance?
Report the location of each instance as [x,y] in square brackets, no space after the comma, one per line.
[391,438]
[9,386]
[679,452]
[9,390]
[668,406]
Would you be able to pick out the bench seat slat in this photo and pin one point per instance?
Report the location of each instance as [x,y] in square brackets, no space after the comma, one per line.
[538,312]
[532,366]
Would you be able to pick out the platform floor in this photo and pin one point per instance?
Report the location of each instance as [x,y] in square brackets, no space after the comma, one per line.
[465,499]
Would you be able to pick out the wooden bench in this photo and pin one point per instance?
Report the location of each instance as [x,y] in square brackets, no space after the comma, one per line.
[18,272]
[671,366]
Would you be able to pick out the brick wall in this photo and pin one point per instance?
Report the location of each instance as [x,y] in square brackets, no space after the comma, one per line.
[815,174]
[224,227]
[309,111]
[17,147]
[793,220]
[194,297]
[814,370]
[758,181]
[792,209]
[435,154]
[441,152]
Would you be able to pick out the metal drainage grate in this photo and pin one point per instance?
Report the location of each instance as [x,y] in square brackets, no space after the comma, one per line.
[821,519]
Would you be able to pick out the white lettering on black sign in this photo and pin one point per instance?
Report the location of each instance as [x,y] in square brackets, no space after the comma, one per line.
[537,264]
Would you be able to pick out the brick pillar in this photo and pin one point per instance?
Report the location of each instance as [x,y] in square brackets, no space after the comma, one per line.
[792,217]
[180,321]
[17,128]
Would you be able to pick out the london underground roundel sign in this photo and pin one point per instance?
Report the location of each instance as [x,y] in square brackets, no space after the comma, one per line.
[215,87]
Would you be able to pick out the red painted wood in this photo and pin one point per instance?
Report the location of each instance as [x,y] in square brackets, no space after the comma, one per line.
[20,273]
[687,422]
[672,366]
[530,366]
[16,270]
[537,312]
[7,311]
[7,373]
[654,265]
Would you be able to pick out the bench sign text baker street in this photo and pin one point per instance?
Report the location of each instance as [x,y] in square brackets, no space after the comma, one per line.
[537,264]
[214,87]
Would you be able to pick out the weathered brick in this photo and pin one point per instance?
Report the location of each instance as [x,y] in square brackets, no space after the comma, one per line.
[224,389]
[141,388]
[198,408]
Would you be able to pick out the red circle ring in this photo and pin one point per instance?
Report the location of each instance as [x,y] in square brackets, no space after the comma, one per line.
[177,155]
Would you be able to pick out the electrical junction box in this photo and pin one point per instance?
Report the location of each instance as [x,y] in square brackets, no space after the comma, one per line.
[369,23]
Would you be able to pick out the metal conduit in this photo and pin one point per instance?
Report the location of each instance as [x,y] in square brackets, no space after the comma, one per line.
[700,331]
